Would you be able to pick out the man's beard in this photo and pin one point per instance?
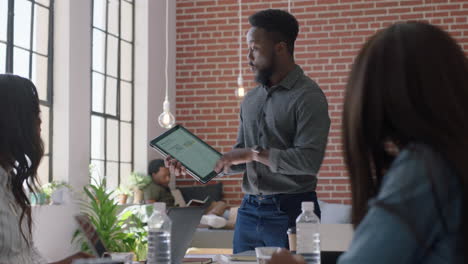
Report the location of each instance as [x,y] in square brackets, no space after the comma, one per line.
[263,76]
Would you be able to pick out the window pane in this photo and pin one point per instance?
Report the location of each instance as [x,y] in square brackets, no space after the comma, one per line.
[111,96]
[98,92]
[45,117]
[21,62]
[127,21]
[3,20]
[2,57]
[22,31]
[41,29]
[99,14]
[112,175]
[97,137]
[112,56]
[98,50]
[44,2]
[125,170]
[39,75]
[43,170]
[113,18]
[112,140]
[125,142]
[126,101]
[97,171]
[126,61]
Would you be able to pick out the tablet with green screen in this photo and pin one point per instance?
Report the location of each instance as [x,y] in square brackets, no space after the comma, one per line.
[194,154]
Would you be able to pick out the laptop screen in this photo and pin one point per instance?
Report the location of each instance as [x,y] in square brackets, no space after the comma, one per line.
[184,224]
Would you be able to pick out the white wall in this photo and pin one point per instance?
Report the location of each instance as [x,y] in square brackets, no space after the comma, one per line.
[149,74]
[72,91]
[53,230]
[54,225]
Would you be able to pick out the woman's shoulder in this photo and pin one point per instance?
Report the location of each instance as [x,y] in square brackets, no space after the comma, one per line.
[417,168]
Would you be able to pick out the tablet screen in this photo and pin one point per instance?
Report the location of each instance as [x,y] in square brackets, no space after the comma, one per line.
[192,152]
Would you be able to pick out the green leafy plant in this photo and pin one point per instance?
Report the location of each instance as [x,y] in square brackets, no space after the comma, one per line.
[102,212]
[123,232]
[139,180]
[50,187]
[38,198]
[137,234]
[123,190]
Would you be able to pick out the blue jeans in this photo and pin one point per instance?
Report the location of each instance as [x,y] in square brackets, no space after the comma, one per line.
[263,220]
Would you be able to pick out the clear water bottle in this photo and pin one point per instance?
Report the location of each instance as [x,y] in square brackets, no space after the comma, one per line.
[159,236]
[307,232]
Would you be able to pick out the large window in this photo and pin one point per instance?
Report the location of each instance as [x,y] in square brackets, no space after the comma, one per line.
[26,30]
[112,90]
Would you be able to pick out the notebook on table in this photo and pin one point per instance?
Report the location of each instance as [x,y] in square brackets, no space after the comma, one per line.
[197,260]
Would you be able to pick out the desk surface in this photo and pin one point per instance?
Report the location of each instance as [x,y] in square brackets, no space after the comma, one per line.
[333,237]
[218,258]
[328,257]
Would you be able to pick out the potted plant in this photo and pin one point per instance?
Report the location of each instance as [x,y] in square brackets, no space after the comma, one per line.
[122,193]
[138,181]
[56,192]
[38,197]
[123,232]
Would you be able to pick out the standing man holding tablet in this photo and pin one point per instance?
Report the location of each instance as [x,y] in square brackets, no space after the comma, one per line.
[282,137]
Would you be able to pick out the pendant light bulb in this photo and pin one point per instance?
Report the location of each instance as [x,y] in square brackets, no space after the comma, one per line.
[166,119]
[240,92]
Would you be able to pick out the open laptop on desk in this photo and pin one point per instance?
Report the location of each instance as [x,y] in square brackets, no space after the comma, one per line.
[184,223]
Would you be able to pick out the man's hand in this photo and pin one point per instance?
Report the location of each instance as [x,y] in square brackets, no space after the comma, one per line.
[174,166]
[233,157]
[283,256]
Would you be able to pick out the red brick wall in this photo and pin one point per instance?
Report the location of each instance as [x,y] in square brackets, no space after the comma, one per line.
[331,33]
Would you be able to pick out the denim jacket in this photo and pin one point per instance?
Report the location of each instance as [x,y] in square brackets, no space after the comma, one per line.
[415,217]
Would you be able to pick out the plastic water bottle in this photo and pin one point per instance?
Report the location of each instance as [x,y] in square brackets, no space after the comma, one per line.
[159,236]
[308,236]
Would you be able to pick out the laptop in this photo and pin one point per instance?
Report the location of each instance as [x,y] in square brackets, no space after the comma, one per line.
[184,223]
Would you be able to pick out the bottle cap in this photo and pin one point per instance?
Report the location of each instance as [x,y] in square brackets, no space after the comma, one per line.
[291,230]
[161,207]
[308,206]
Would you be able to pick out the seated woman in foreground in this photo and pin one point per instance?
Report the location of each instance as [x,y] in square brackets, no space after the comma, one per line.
[405,129]
[21,150]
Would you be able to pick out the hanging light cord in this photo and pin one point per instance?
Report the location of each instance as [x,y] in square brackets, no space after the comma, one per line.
[240,37]
[289,6]
[167,50]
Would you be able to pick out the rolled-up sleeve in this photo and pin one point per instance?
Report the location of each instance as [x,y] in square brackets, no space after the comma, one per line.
[240,143]
[313,124]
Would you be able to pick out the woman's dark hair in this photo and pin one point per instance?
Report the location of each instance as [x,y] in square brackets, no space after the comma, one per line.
[409,83]
[281,25]
[21,147]
[154,166]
